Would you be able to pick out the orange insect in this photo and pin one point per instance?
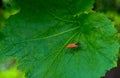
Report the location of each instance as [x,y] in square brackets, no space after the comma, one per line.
[73,45]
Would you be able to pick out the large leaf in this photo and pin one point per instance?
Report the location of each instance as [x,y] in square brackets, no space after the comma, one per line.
[38,36]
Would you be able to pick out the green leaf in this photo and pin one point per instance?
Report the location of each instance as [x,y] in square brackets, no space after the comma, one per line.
[39,34]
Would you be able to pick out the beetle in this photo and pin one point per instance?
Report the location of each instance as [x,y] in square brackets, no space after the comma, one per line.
[73,45]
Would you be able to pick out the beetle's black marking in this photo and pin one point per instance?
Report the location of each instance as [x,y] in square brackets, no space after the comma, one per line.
[78,44]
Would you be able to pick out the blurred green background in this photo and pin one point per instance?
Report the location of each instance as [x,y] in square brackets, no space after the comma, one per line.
[8,69]
[11,73]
